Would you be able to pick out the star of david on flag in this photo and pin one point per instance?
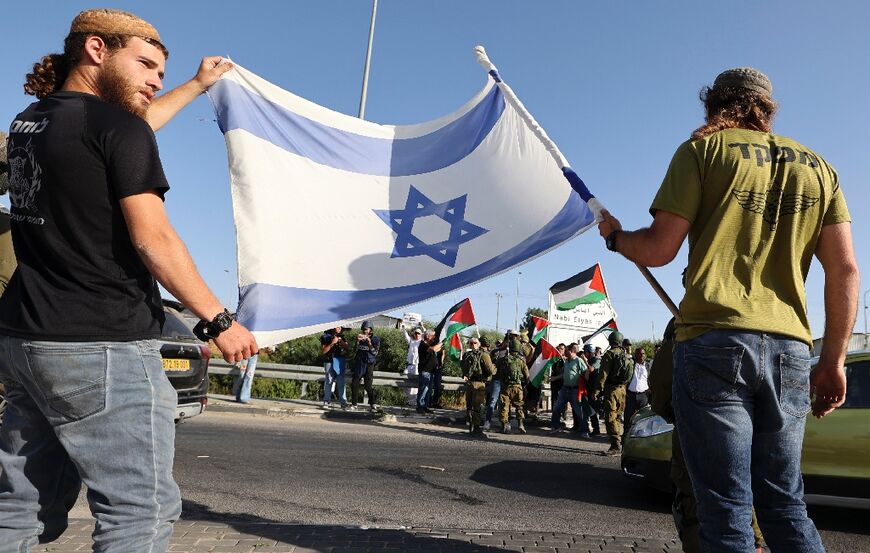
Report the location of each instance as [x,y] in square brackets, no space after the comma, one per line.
[417,206]
[338,219]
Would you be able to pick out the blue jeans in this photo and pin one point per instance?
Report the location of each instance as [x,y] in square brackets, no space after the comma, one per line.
[247,379]
[581,415]
[106,407]
[329,378]
[424,385]
[493,390]
[741,400]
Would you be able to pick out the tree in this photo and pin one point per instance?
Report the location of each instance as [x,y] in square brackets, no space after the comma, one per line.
[533,312]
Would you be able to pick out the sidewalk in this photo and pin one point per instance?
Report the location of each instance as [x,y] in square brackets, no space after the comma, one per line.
[192,536]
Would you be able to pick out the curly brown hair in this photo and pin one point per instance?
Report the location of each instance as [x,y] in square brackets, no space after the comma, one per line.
[735,107]
[52,70]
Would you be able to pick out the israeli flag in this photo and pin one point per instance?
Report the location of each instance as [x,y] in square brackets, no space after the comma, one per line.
[339,218]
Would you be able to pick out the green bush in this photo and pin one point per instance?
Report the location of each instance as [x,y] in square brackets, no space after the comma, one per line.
[274,388]
[306,350]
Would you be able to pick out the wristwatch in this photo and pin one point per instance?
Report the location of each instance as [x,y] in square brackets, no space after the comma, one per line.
[209,330]
[610,240]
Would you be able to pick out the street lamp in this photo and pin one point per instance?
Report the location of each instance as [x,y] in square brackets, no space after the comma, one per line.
[232,284]
[517,304]
[498,298]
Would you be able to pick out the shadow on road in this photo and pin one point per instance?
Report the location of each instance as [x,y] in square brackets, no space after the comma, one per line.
[578,481]
[329,537]
[840,519]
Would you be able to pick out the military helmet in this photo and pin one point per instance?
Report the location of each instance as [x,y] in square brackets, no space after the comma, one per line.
[514,345]
[615,338]
[484,342]
[366,324]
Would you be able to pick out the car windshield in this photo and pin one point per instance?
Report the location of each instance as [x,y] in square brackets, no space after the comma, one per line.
[174,327]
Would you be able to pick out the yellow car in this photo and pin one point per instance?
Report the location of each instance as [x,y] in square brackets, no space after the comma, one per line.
[836,452]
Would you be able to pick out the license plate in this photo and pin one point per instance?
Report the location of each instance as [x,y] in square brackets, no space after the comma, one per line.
[176,364]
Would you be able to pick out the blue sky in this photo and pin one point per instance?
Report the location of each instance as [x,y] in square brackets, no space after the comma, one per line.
[615,84]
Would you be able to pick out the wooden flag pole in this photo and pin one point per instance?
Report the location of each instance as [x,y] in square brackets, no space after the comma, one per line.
[573,179]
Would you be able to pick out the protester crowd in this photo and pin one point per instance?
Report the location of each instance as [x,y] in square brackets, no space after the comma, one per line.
[598,386]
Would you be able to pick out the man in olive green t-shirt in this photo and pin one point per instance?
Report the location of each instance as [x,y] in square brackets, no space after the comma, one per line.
[756,207]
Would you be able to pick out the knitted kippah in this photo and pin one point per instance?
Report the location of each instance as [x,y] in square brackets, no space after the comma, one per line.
[745,77]
[113,22]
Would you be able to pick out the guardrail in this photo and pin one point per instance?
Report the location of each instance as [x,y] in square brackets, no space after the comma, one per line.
[308,373]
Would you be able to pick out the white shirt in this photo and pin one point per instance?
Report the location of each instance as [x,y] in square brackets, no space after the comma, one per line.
[639,382]
[413,354]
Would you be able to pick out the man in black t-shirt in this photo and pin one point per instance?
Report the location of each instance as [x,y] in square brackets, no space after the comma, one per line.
[83,373]
[429,351]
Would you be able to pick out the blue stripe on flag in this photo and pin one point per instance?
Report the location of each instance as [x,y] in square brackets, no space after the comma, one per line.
[267,307]
[240,108]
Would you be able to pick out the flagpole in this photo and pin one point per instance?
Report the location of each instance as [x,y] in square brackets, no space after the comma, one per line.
[365,83]
[572,177]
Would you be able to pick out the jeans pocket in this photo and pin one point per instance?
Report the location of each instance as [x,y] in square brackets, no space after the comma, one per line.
[794,378]
[712,371]
[71,378]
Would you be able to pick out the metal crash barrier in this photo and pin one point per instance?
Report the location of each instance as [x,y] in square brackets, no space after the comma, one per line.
[307,373]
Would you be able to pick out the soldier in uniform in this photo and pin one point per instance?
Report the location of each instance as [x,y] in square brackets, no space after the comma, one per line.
[531,393]
[592,378]
[477,368]
[493,388]
[512,372]
[614,374]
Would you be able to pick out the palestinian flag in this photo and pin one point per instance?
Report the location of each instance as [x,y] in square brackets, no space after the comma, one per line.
[583,396]
[454,350]
[582,288]
[539,328]
[546,356]
[608,327]
[458,317]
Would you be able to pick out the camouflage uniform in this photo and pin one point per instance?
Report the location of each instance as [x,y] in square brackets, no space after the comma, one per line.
[477,367]
[531,393]
[512,371]
[613,394]
[684,505]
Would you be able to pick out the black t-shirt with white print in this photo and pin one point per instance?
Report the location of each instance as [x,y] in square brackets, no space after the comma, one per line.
[72,158]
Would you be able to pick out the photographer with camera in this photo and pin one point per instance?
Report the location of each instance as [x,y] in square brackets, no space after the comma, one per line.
[367,347]
[334,348]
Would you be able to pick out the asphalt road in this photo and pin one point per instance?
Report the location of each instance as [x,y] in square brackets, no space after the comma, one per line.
[306,470]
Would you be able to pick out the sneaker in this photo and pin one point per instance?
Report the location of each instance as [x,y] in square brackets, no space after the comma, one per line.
[486,426]
[325,405]
[614,450]
[345,407]
[506,428]
[521,427]
[584,435]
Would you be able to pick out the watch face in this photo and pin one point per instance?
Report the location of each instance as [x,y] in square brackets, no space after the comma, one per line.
[224,320]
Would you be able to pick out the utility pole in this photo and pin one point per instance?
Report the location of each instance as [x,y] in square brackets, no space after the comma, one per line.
[498,298]
[517,304]
[365,83]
